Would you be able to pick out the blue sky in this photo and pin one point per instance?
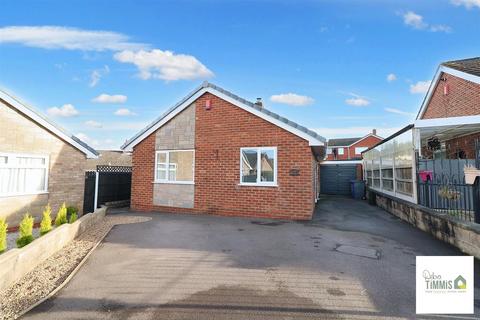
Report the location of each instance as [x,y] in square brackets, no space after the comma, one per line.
[104,69]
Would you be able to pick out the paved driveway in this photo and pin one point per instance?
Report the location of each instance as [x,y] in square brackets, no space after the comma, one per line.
[353,261]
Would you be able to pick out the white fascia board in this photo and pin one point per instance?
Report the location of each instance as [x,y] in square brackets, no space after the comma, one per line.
[441,122]
[312,141]
[47,125]
[442,69]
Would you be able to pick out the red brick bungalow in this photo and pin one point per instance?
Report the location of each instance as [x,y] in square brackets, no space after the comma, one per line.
[216,153]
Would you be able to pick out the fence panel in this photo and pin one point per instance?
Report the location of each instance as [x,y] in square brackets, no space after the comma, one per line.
[114,183]
[89,192]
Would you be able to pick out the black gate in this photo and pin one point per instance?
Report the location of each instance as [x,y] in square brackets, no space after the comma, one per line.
[89,193]
[114,183]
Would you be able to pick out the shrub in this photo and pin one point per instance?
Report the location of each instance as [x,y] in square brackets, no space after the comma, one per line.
[46,224]
[73,217]
[3,235]
[26,228]
[71,210]
[61,215]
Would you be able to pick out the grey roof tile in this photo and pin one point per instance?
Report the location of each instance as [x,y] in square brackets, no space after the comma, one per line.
[471,66]
[207,84]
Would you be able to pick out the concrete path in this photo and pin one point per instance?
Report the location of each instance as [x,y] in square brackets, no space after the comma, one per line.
[353,261]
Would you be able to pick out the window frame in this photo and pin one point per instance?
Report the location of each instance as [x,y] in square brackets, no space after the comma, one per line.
[260,183]
[167,167]
[342,153]
[8,165]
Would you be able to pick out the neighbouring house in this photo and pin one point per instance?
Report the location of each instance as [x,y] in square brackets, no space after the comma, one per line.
[343,163]
[422,173]
[351,148]
[40,163]
[114,158]
[216,153]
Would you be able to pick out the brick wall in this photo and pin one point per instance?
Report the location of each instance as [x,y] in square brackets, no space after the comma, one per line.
[219,135]
[465,144]
[66,172]
[349,152]
[463,99]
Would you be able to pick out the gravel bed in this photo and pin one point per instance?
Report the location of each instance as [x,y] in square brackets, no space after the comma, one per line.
[48,275]
[12,238]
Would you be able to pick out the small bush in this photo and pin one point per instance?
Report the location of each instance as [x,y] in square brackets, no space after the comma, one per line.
[71,210]
[46,224]
[3,235]
[61,215]
[26,228]
[73,217]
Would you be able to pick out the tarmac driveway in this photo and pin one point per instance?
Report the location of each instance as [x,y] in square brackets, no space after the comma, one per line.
[353,261]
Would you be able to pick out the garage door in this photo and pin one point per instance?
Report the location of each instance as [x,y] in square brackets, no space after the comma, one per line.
[335,178]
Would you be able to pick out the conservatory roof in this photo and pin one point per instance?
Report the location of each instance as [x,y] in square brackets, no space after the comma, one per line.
[448,128]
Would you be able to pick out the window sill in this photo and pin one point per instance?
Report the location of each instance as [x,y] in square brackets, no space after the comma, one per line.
[274,185]
[173,182]
[22,194]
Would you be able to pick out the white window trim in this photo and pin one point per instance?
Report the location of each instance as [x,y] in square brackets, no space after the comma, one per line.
[343,151]
[362,149]
[166,181]
[46,166]
[260,183]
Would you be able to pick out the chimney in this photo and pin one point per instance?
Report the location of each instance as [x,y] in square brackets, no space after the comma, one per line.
[259,103]
[374,132]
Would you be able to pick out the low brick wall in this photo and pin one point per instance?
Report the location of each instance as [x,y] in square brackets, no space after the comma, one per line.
[461,234]
[15,263]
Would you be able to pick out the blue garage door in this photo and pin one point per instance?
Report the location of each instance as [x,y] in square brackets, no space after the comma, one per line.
[335,178]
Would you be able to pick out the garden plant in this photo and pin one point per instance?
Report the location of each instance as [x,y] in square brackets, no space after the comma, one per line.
[61,216]
[3,235]
[26,228]
[46,224]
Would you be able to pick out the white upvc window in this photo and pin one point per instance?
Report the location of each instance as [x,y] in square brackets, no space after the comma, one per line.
[175,166]
[23,174]
[258,166]
[340,152]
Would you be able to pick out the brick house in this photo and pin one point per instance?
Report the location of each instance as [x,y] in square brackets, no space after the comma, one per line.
[216,153]
[438,146]
[40,163]
[351,148]
[455,95]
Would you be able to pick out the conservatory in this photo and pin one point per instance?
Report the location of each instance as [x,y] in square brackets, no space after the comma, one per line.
[433,162]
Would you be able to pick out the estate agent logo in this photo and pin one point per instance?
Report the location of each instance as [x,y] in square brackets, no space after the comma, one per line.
[444,285]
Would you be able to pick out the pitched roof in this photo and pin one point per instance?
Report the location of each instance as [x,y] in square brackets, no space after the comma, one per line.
[471,66]
[342,142]
[301,131]
[110,158]
[467,69]
[49,125]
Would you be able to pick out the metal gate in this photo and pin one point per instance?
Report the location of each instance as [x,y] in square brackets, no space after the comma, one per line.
[89,193]
[335,178]
[107,184]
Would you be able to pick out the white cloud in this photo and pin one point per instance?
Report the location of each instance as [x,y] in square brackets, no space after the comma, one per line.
[107,98]
[124,112]
[348,132]
[420,87]
[292,99]
[93,124]
[469,4]
[97,74]
[102,144]
[357,101]
[391,77]
[54,37]
[416,21]
[67,110]
[164,65]
[398,111]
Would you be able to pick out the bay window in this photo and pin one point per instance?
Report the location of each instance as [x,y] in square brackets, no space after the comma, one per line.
[174,166]
[22,174]
[258,166]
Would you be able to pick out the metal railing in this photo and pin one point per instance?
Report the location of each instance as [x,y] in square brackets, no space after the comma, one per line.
[442,187]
